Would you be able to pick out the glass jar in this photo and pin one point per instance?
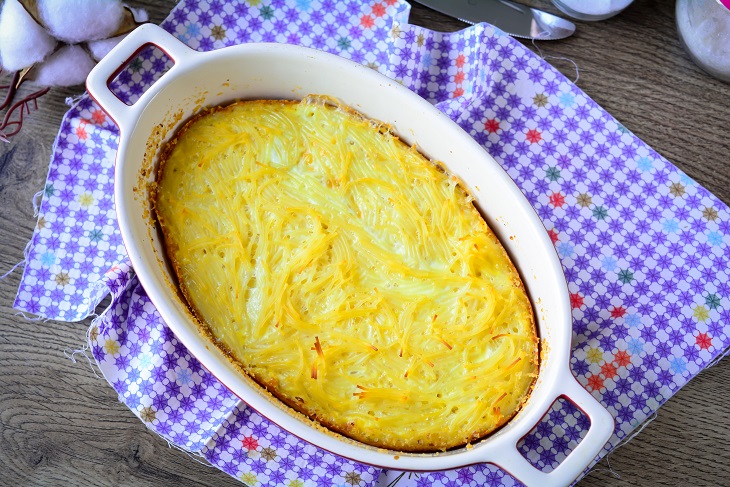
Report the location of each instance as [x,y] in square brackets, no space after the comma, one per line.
[704,28]
[591,9]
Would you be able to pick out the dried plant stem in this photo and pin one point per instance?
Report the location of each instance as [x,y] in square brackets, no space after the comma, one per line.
[12,88]
[19,107]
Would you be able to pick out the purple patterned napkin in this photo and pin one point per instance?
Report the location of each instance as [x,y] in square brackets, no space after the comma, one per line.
[644,248]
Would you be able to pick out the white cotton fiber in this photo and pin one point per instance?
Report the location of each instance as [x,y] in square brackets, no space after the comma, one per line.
[140,14]
[81,20]
[68,66]
[22,41]
[101,48]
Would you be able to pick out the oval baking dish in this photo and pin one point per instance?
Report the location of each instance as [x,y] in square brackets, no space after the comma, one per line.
[276,71]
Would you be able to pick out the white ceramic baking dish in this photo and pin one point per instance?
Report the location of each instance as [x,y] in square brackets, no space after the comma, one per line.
[260,71]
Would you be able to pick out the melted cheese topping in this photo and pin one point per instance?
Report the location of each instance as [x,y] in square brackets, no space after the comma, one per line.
[346,273]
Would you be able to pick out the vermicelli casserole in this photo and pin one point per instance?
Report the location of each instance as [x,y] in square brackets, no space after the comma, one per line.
[346,273]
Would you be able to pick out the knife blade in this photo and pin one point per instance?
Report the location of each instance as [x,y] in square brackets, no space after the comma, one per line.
[515,19]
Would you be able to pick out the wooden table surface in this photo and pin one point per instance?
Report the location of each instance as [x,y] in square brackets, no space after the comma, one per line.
[61,425]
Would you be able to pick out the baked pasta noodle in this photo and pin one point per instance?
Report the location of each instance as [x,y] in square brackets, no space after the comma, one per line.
[346,273]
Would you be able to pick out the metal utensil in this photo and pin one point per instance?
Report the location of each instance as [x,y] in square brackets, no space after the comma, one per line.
[515,19]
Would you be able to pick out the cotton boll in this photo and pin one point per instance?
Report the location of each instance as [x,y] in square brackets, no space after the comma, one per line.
[81,20]
[140,14]
[68,66]
[101,48]
[22,41]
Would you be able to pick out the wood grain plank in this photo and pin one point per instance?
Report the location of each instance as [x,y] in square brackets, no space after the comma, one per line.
[60,425]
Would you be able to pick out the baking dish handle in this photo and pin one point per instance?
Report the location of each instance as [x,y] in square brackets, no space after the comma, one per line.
[103,73]
[601,429]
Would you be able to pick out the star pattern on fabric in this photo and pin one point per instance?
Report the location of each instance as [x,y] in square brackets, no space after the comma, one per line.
[218,32]
[268,453]
[644,248]
[148,414]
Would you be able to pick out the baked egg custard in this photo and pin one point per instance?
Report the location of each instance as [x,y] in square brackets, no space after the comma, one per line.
[346,273]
